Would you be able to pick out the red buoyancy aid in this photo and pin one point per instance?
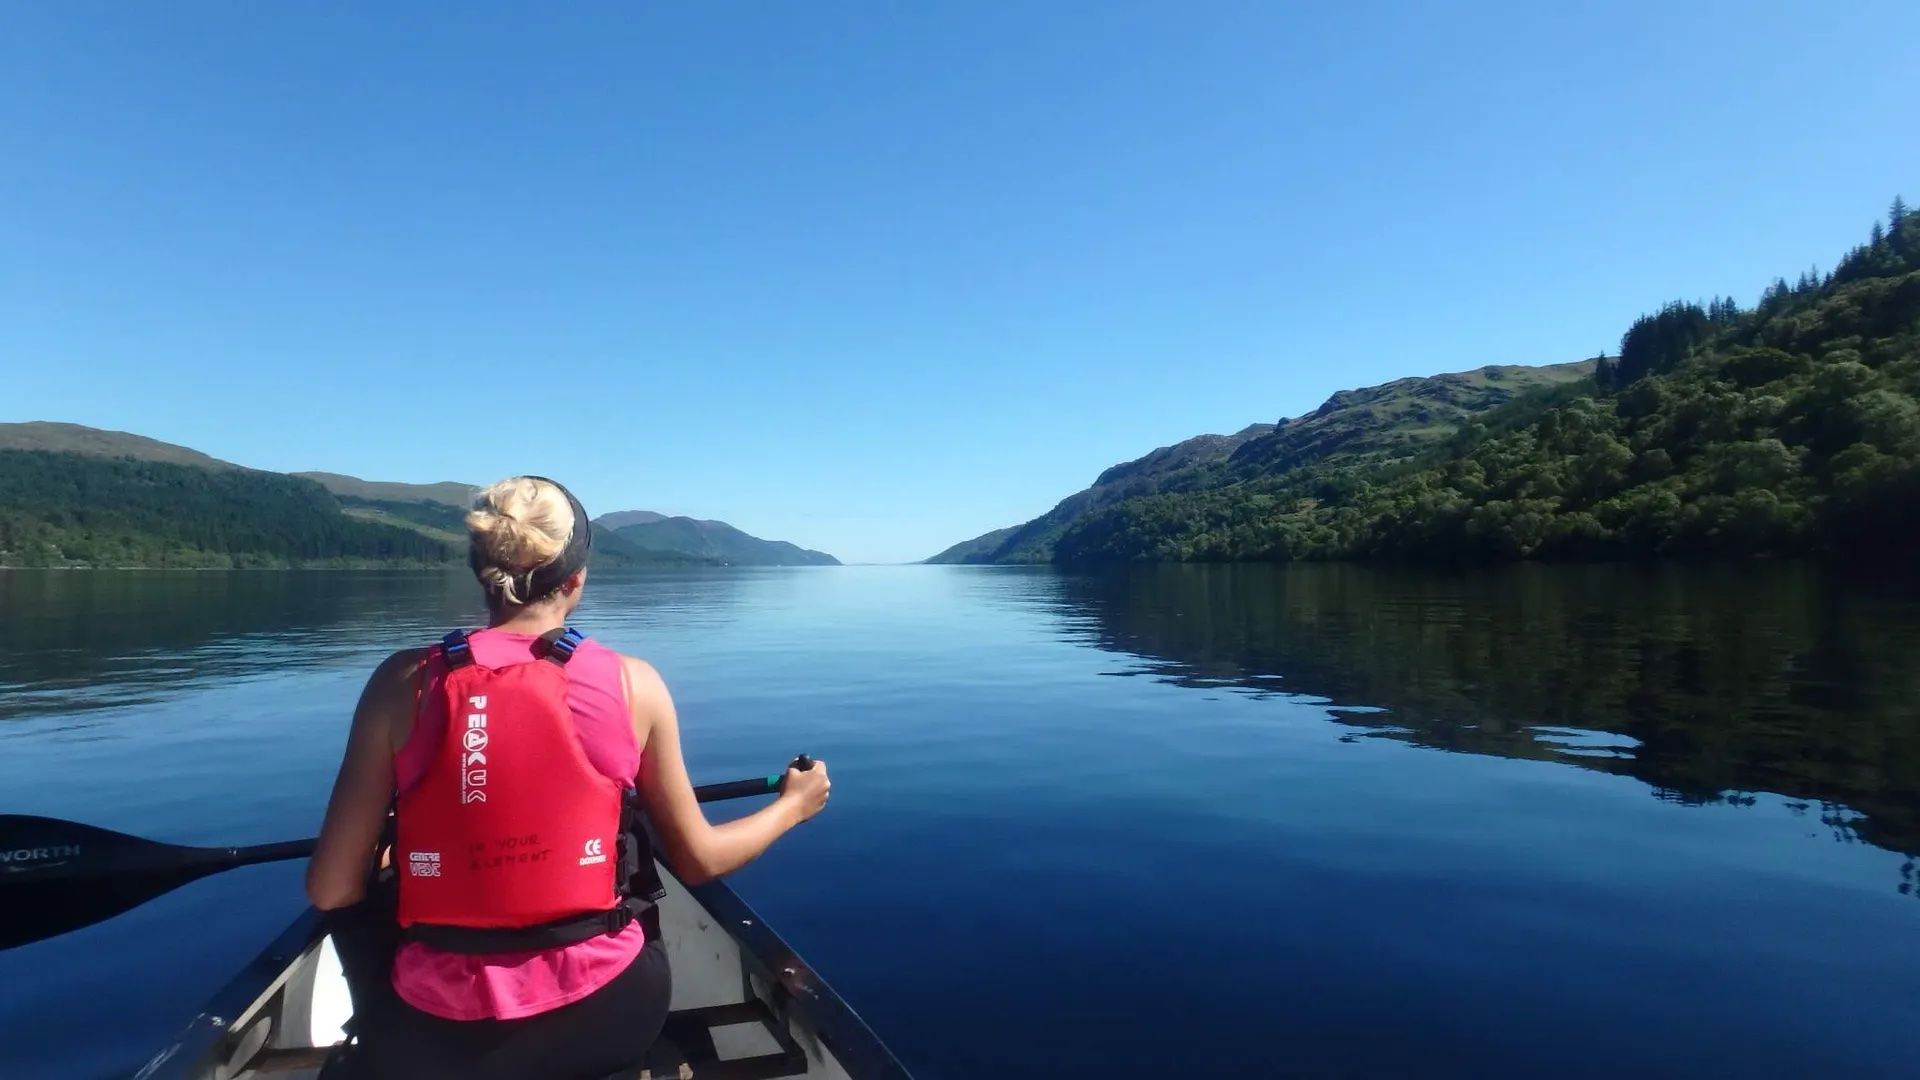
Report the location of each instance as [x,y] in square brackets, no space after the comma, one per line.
[511,839]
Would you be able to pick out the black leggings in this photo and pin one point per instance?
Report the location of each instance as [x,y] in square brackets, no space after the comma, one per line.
[604,1034]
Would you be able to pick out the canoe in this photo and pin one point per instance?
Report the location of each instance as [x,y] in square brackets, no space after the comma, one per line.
[745,1007]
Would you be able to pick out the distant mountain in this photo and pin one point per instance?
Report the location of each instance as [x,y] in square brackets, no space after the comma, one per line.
[620,519]
[72,495]
[1390,421]
[714,541]
[440,511]
[56,437]
[1033,542]
[435,510]
[612,549]
[980,549]
[447,492]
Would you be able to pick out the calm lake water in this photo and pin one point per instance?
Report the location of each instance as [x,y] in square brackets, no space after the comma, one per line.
[1193,821]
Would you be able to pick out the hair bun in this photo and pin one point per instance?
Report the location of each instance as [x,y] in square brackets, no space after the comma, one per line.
[515,526]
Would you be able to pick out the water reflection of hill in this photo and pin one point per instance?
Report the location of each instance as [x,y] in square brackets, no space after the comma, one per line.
[82,640]
[1704,682]
[77,641]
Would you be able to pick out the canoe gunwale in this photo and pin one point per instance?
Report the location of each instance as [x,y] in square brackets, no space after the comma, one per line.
[251,989]
[859,1051]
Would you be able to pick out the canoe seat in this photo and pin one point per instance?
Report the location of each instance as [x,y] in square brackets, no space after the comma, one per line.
[741,1041]
[288,1062]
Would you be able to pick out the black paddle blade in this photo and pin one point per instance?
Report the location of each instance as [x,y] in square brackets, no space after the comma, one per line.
[41,909]
[40,849]
[57,876]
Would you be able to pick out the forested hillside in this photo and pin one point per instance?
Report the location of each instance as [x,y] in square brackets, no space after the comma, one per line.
[1791,427]
[1373,425]
[61,509]
[75,496]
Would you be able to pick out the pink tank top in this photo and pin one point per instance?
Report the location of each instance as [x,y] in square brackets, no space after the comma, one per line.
[508,986]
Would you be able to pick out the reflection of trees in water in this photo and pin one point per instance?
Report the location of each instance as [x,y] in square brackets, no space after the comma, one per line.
[1706,683]
[76,640]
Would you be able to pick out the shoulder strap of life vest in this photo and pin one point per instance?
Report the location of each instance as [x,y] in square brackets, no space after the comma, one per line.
[456,648]
[557,645]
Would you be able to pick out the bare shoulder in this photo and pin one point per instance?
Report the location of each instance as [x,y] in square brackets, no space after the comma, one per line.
[393,681]
[402,666]
[642,676]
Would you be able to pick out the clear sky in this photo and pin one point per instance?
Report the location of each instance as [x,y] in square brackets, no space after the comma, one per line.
[876,278]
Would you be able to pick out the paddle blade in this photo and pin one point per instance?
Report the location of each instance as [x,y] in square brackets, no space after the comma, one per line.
[39,909]
[57,876]
[44,849]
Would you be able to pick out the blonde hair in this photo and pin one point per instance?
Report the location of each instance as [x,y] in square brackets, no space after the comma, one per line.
[516,526]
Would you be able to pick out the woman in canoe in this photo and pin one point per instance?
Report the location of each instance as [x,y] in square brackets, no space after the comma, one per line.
[517,937]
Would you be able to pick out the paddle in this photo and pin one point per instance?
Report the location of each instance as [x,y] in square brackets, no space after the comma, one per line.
[57,876]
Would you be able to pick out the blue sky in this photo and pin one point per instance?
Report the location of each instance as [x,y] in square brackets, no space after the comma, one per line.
[876,278]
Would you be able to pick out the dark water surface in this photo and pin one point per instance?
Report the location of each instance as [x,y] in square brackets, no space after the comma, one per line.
[1186,821]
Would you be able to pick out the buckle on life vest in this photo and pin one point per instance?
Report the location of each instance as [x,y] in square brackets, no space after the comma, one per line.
[559,645]
[619,916]
[456,648]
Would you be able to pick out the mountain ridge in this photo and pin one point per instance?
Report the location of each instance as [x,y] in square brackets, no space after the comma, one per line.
[1388,420]
[309,517]
[59,436]
[714,540]
[445,492]
[620,519]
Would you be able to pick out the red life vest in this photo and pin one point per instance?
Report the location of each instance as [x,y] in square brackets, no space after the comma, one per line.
[511,839]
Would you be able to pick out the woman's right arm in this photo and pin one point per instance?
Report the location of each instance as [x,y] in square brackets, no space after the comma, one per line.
[696,850]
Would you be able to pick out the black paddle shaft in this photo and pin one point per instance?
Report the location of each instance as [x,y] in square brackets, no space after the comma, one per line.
[747,789]
[57,876]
